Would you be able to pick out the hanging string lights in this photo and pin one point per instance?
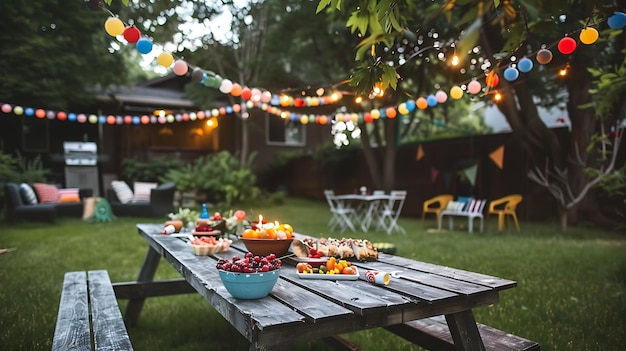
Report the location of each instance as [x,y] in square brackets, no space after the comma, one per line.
[270,102]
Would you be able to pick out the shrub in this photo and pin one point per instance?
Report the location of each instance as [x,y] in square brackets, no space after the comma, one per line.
[149,171]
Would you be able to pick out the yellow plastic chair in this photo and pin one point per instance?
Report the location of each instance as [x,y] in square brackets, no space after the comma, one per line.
[503,207]
[436,205]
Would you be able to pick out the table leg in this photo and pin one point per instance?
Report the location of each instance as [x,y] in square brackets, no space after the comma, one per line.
[146,274]
[464,331]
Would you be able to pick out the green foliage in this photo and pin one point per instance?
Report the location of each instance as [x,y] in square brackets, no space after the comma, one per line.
[609,88]
[219,176]
[30,170]
[7,167]
[149,171]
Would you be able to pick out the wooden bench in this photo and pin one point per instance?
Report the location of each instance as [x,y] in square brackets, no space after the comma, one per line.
[434,333]
[89,317]
[474,209]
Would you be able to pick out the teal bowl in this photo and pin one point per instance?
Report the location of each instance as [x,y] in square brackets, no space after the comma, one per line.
[249,286]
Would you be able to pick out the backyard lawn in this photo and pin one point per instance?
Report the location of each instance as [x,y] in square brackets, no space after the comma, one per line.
[571,292]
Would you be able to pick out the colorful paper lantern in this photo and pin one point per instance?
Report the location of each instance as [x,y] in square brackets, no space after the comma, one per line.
[71,117]
[144,46]
[50,115]
[226,86]
[110,119]
[375,113]
[431,100]
[197,75]
[544,56]
[617,20]
[145,119]
[246,93]
[165,59]
[525,65]
[61,116]
[40,113]
[492,79]
[391,112]
[180,68]
[456,92]
[132,34]
[474,87]
[421,103]
[18,110]
[93,119]
[588,35]
[6,108]
[511,74]
[441,96]
[236,90]
[81,118]
[402,109]
[566,45]
[114,26]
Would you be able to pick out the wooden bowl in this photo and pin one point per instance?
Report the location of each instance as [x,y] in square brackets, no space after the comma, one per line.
[264,247]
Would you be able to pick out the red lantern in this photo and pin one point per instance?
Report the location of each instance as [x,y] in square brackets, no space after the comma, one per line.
[200,115]
[492,79]
[367,118]
[246,94]
[40,113]
[185,117]
[61,116]
[110,119]
[145,119]
[128,119]
[567,45]
[132,34]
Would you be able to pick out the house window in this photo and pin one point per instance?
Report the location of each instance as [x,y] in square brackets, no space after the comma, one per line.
[35,135]
[283,131]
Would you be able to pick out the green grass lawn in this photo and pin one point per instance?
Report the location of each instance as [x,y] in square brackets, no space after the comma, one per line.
[570,293]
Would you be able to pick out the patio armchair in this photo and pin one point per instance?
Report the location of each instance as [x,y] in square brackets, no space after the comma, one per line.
[436,205]
[504,208]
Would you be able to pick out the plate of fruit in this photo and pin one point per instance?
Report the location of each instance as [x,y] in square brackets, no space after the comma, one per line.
[332,269]
[313,257]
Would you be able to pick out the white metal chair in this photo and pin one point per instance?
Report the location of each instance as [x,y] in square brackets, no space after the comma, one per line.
[341,215]
[391,211]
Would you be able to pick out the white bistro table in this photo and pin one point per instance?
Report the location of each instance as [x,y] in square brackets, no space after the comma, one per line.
[365,206]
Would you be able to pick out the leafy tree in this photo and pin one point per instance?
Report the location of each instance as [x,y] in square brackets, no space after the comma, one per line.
[499,30]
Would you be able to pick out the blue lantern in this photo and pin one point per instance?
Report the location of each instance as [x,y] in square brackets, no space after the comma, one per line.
[511,74]
[525,65]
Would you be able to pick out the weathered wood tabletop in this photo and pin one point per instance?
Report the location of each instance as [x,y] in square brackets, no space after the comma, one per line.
[301,309]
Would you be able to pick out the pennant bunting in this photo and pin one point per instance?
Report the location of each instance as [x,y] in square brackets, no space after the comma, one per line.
[420,152]
[434,172]
[497,156]
[470,173]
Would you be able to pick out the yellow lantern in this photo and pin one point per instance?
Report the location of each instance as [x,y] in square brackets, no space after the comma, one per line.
[165,59]
[114,26]
[402,109]
[456,92]
[588,35]
[375,113]
[304,119]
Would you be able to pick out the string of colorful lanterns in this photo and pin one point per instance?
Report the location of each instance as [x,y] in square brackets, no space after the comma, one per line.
[266,101]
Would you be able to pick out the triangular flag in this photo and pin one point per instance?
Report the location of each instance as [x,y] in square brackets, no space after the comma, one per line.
[497,156]
[470,173]
[420,152]
[434,172]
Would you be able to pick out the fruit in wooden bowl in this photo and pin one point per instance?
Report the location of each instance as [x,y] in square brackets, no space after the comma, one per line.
[264,247]
[252,277]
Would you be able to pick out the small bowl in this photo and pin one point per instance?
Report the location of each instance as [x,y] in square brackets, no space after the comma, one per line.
[264,247]
[207,250]
[249,286]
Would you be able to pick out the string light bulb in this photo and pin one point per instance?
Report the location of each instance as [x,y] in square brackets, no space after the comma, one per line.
[455,60]
[497,97]
[563,71]
[358,100]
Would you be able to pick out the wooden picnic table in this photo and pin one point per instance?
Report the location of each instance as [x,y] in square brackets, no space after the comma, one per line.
[301,309]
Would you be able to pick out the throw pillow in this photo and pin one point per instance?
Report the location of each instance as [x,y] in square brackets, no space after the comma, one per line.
[465,200]
[142,191]
[47,193]
[69,195]
[28,194]
[122,190]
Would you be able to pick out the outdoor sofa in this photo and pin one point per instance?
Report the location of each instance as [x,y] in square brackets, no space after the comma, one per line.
[160,203]
[18,207]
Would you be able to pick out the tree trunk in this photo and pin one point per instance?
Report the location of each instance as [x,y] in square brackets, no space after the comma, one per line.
[563,219]
[370,158]
[391,147]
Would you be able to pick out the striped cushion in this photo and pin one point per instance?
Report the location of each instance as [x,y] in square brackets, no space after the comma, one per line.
[69,195]
[47,193]
[142,191]
[122,190]
[28,194]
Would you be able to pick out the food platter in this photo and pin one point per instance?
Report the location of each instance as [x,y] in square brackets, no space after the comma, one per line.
[329,276]
[313,261]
